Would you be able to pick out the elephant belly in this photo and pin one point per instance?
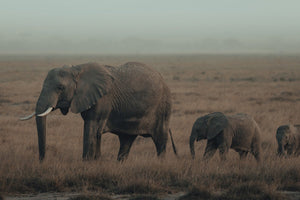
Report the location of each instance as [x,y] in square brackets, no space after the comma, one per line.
[132,125]
[241,144]
[237,148]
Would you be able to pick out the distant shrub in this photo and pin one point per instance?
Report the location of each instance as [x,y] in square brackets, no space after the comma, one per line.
[176,78]
[193,79]
[247,79]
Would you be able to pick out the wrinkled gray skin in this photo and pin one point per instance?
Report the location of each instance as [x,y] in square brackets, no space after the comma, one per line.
[288,139]
[128,101]
[239,132]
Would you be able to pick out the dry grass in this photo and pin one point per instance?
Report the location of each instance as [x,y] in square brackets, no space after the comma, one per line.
[266,87]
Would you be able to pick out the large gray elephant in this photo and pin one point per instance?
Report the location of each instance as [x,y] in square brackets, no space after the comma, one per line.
[239,132]
[288,139]
[128,100]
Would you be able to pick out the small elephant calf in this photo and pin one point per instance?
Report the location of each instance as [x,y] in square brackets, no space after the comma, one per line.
[239,132]
[288,139]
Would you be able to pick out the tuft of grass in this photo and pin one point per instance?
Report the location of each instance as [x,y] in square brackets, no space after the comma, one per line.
[293,187]
[252,191]
[139,187]
[196,193]
[91,197]
[144,197]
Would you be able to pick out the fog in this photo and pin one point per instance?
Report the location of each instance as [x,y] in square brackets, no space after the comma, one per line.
[141,27]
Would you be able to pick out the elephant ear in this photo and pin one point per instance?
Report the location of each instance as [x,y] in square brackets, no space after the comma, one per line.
[93,82]
[216,124]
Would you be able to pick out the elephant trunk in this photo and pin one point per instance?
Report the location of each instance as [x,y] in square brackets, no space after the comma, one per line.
[192,141]
[45,102]
[41,129]
[280,137]
[280,151]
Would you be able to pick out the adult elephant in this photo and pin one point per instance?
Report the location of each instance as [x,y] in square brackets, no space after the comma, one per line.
[129,100]
[288,139]
[239,132]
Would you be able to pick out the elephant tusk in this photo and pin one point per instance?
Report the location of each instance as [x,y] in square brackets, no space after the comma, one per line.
[27,117]
[46,112]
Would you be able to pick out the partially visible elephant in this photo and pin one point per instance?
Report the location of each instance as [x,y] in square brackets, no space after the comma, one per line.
[239,132]
[128,100]
[288,139]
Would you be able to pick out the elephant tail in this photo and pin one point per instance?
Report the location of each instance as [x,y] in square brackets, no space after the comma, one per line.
[173,144]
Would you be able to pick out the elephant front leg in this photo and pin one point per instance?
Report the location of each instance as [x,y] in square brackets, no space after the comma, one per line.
[290,149]
[92,139]
[98,144]
[210,150]
[257,156]
[125,145]
[223,151]
[243,154]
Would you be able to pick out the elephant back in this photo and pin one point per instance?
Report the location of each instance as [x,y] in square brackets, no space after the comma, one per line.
[295,129]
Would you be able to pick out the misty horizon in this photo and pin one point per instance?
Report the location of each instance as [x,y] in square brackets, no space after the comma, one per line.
[135,27]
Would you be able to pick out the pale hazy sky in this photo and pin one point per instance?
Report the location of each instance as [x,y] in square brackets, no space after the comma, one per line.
[154,26]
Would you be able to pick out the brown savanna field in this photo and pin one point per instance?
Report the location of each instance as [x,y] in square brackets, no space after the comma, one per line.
[264,86]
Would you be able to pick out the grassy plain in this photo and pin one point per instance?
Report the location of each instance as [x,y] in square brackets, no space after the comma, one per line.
[264,86]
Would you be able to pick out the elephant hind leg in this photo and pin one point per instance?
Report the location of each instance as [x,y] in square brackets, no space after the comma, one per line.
[125,145]
[256,151]
[160,141]
[160,135]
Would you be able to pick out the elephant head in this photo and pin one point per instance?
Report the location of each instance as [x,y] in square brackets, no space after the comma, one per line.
[207,127]
[77,88]
[286,140]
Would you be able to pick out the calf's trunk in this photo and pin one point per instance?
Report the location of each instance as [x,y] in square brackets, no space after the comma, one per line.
[192,148]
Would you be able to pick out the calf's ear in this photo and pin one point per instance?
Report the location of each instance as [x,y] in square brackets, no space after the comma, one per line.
[216,123]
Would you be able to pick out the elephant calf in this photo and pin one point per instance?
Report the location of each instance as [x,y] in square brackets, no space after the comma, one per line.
[239,132]
[288,139]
